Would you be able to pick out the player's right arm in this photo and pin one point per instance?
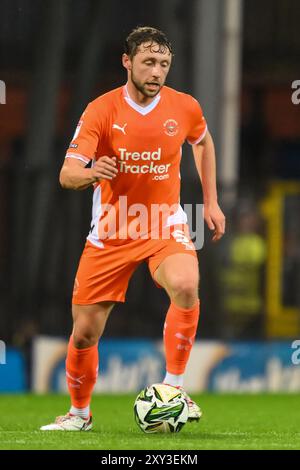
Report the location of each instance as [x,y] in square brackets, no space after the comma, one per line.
[83,149]
[75,175]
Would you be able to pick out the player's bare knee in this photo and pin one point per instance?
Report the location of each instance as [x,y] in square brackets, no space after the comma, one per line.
[184,290]
[84,339]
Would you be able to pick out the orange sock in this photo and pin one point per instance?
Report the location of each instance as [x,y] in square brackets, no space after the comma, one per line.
[179,334]
[81,372]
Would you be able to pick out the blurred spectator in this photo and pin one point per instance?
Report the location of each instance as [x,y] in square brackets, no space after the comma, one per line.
[241,276]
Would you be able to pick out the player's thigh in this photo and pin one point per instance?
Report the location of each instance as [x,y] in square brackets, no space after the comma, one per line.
[90,320]
[103,274]
[178,271]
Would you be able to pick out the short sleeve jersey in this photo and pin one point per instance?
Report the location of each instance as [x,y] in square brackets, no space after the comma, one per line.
[147,142]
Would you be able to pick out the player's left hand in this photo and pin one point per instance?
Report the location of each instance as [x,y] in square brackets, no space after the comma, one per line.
[215,220]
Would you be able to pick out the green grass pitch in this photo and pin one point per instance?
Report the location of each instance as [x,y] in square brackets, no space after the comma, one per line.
[228,422]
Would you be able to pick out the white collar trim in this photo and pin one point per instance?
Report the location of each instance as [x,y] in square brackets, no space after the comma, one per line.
[141,109]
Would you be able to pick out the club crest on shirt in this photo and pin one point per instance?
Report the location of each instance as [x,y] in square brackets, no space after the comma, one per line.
[171,127]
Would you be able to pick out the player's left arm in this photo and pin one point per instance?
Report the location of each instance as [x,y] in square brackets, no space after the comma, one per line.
[205,160]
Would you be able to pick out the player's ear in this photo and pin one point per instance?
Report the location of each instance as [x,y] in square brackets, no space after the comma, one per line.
[126,61]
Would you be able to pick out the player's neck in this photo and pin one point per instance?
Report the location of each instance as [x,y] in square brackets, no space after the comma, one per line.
[137,96]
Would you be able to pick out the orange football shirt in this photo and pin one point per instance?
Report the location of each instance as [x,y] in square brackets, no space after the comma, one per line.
[147,142]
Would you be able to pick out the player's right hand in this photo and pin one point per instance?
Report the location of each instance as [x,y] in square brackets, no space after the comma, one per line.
[104,168]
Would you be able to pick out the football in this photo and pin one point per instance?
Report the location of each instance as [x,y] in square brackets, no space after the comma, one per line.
[160,408]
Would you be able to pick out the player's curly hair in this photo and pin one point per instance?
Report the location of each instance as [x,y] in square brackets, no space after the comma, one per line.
[143,34]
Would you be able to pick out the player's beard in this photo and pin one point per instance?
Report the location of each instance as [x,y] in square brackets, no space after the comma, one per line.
[142,87]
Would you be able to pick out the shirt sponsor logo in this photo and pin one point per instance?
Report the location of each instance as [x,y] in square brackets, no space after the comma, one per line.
[159,171]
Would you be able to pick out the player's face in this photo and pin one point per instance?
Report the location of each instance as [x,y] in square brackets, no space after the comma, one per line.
[149,68]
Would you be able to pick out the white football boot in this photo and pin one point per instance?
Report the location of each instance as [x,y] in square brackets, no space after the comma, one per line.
[195,412]
[69,423]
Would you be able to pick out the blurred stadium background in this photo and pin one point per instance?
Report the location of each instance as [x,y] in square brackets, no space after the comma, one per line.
[239,58]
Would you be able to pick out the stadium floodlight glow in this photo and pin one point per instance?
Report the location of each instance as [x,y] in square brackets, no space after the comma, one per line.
[2,353]
[2,92]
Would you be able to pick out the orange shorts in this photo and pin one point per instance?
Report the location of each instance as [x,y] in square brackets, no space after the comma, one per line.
[103,273]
